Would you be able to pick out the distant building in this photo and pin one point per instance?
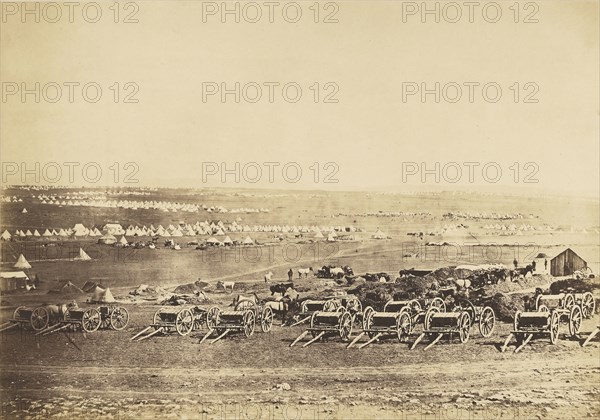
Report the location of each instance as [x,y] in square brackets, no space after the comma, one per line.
[566,263]
[13,280]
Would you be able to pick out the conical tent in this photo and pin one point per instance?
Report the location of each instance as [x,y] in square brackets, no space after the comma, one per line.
[103,295]
[24,210]
[248,241]
[83,256]
[123,241]
[6,235]
[22,263]
[318,234]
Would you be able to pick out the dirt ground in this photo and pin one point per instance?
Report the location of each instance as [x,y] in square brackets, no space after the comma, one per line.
[104,374]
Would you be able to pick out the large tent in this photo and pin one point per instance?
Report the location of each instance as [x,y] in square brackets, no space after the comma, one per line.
[83,256]
[5,235]
[22,263]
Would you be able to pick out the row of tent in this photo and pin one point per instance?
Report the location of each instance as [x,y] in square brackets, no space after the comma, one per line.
[23,264]
[166,206]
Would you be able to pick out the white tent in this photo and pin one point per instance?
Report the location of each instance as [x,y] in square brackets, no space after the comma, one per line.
[248,241]
[103,295]
[24,210]
[123,241]
[318,234]
[83,256]
[22,263]
[36,233]
[47,233]
[5,235]
[379,235]
[227,241]
[330,237]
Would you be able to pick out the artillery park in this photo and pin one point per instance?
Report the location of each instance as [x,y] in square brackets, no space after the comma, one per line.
[177,253]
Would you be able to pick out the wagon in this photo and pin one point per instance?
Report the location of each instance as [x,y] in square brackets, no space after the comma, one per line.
[35,318]
[330,304]
[262,314]
[379,324]
[91,319]
[437,324]
[587,302]
[226,322]
[181,320]
[415,308]
[327,324]
[544,322]
[484,316]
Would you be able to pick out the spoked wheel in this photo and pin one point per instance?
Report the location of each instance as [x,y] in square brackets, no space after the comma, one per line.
[403,326]
[568,301]
[464,325]
[39,318]
[330,306]
[353,305]
[119,318]
[554,324]
[366,313]
[249,323]
[184,323]
[312,325]
[415,306]
[588,305]
[244,305]
[368,323]
[345,326]
[466,305]
[16,312]
[575,319]
[266,320]
[428,315]
[156,319]
[487,321]
[91,320]
[212,317]
[438,303]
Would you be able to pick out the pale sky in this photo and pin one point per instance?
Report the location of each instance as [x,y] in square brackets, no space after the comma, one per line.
[368,55]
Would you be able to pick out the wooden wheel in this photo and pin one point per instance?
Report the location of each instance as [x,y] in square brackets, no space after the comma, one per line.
[366,313]
[487,321]
[353,305]
[244,305]
[554,324]
[212,317]
[466,305]
[156,319]
[330,306]
[428,315]
[266,319]
[403,325]
[588,305]
[517,319]
[249,323]
[304,307]
[537,302]
[184,323]
[91,320]
[39,318]
[464,325]
[368,323]
[345,326]
[16,312]
[575,319]
[438,303]
[312,325]
[568,301]
[119,318]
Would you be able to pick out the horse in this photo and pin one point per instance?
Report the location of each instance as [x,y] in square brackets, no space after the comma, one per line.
[57,313]
[304,271]
[225,285]
[268,276]
[284,306]
[241,298]
[280,288]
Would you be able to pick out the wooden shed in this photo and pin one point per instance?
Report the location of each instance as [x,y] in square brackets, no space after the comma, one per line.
[566,263]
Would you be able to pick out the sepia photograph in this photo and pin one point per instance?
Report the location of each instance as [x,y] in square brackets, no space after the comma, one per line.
[300,210]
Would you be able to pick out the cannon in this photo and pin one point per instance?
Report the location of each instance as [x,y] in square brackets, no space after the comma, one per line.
[182,320]
[226,322]
[379,324]
[310,306]
[438,323]
[484,316]
[90,319]
[543,323]
[35,318]
[262,314]
[325,324]
[416,309]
